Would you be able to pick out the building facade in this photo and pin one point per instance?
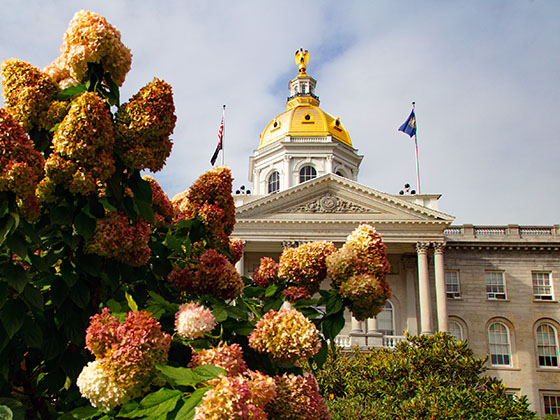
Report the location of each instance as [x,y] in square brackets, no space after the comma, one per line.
[494,286]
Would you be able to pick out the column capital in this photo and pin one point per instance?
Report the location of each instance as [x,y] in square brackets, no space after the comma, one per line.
[422,247]
[439,247]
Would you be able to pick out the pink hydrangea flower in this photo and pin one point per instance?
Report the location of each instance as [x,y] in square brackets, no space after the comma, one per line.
[90,39]
[297,398]
[235,398]
[235,249]
[286,336]
[143,126]
[117,238]
[21,166]
[161,204]
[306,266]
[228,357]
[265,272]
[192,320]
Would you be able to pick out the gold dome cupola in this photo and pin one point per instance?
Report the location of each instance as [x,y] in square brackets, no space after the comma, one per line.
[303,142]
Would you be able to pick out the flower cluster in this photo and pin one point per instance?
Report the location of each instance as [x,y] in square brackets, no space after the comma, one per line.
[235,249]
[237,398]
[161,204]
[28,93]
[115,237]
[126,355]
[90,39]
[285,335]
[21,166]
[305,266]
[294,294]
[297,398]
[143,126]
[83,145]
[265,272]
[211,188]
[358,271]
[98,386]
[192,320]
[212,274]
[228,357]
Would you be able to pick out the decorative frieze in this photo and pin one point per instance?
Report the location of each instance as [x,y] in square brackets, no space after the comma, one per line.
[328,204]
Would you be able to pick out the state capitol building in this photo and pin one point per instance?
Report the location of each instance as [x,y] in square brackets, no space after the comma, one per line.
[495,286]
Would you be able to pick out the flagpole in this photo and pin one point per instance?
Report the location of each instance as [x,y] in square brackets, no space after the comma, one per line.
[223,134]
[416,146]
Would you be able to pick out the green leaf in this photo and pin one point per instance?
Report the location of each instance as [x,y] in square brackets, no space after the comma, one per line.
[145,209]
[17,243]
[157,404]
[16,275]
[271,290]
[131,303]
[6,413]
[70,92]
[187,411]
[5,226]
[180,376]
[220,314]
[253,291]
[334,303]
[33,297]
[321,357]
[80,295]
[274,304]
[142,190]
[13,316]
[333,324]
[85,225]
[86,412]
[172,243]
[32,334]
[61,216]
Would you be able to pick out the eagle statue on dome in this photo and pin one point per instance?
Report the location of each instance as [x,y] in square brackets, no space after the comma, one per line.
[302,58]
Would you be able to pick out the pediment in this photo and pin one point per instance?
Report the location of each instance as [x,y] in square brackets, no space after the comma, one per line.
[331,198]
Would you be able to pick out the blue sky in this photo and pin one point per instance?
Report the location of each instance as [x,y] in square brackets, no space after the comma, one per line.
[485,76]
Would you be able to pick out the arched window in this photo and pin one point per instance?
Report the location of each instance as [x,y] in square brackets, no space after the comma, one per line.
[456,330]
[307,173]
[500,348]
[386,320]
[547,346]
[274,182]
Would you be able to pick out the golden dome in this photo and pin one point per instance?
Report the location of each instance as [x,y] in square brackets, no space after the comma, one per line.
[304,120]
[303,117]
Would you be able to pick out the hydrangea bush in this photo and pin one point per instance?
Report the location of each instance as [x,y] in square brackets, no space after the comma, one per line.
[117,302]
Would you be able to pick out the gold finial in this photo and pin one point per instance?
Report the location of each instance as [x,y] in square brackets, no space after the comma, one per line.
[302,58]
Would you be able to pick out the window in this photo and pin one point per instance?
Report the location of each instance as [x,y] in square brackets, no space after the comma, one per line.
[495,285]
[385,319]
[547,346]
[274,182]
[455,330]
[500,349]
[542,286]
[551,404]
[307,173]
[452,284]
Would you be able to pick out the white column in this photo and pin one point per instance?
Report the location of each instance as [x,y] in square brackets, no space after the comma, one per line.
[286,181]
[358,336]
[411,267]
[424,289]
[374,336]
[240,265]
[441,294]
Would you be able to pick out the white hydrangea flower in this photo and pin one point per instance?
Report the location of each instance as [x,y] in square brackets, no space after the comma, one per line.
[101,391]
[193,320]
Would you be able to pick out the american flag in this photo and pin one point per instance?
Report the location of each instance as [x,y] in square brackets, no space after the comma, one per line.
[220,141]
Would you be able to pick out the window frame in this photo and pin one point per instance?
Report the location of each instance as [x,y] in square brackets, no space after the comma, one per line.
[452,294]
[273,182]
[550,395]
[495,356]
[542,296]
[387,307]
[304,177]
[546,347]
[452,321]
[495,294]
